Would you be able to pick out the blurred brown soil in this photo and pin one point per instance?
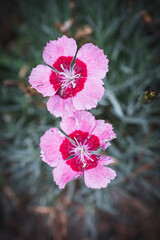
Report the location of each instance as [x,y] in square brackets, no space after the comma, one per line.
[68,220]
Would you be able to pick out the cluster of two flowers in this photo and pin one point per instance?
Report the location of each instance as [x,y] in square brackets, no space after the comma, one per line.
[74,88]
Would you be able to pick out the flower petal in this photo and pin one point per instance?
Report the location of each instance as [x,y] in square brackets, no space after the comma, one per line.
[111,173]
[59,106]
[105,160]
[63,174]
[98,177]
[39,80]
[64,46]
[94,58]
[49,144]
[105,133]
[90,95]
[80,120]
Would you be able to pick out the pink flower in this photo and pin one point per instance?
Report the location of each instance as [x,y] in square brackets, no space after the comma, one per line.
[71,85]
[75,155]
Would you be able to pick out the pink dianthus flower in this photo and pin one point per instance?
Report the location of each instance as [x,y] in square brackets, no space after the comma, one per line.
[76,153]
[71,84]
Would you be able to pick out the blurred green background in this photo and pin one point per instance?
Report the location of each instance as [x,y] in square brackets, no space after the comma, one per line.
[31,205]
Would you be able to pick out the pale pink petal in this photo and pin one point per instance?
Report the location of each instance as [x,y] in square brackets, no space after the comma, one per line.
[80,120]
[90,95]
[49,144]
[64,46]
[63,174]
[104,131]
[110,173]
[59,106]
[98,177]
[94,58]
[39,80]
[105,160]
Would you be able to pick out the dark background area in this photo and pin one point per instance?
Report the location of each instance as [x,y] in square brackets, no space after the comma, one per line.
[31,205]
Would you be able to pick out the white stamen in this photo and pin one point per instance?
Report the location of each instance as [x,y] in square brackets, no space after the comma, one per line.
[73,84]
[88,157]
[81,150]
[69,77]
[62,67]
[76,141]
[84,164]
[65,74]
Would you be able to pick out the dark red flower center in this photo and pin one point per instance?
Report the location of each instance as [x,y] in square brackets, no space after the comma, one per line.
[68,82]
[79,149]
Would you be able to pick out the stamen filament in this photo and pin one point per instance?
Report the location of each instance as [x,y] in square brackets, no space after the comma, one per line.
[82,150]
[88,157]
[62,67]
